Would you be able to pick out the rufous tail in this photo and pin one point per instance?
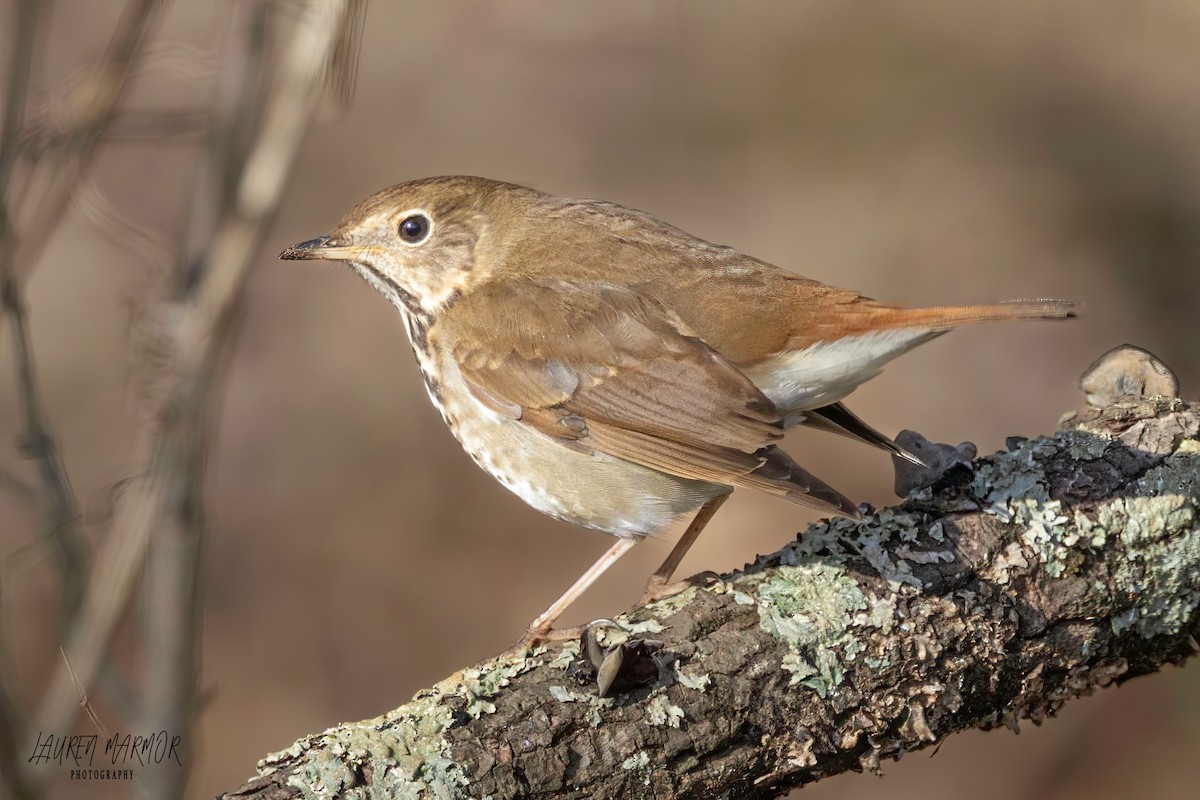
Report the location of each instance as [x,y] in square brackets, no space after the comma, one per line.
[937,318]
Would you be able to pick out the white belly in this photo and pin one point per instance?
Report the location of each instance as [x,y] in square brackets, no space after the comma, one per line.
[585,488]
[828,371]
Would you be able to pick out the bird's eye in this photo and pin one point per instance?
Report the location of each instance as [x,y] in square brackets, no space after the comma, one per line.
[414,228]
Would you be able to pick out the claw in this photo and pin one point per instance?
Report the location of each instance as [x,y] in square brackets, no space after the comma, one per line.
[658,589]
[535,636]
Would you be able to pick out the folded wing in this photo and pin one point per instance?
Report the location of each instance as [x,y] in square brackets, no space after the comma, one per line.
[602,367]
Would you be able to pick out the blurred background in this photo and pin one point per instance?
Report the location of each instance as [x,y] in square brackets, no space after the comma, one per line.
[920,152]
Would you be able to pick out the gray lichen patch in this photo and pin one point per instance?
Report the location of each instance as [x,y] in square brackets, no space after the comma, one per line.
[1044,533]
[661,711]
[669,605]
[566,655]
[1014,488]
[404,753]
[875,539]
[1155,522]
[1019,475]
[810,606]
[1160,574]
[1086,445]
[596,705]
[639,760]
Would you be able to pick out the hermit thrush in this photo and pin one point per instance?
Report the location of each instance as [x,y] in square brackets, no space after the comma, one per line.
[614,371]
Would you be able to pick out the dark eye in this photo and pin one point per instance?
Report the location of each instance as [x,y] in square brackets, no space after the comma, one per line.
[414,229]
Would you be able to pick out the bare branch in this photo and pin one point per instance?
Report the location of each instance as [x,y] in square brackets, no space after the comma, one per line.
[341,72]
[89,110]
[24,32]
[24,224]
[171,616]
[207,318]
[36,442]
[1063,566]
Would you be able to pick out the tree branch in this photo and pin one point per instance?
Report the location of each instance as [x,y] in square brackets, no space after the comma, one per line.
[1062,566]
[172,450]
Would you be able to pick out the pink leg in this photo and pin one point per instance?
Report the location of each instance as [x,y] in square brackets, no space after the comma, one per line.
[659,581]
[540,627]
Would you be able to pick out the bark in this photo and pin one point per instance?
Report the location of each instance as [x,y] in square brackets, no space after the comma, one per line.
[1064,565]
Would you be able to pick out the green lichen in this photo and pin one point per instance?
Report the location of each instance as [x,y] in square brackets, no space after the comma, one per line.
[1160,574]
[809,606]
[405,749]
[692,680]
[640,764]
[800,669]
[563,695]
[595,704]
[566,655]
[1043,532]
[661,711]
[1087,532]
[645,626]
[639,761]
[880,614]
[669,605]
[834,541]
[479,684]
[1018,475]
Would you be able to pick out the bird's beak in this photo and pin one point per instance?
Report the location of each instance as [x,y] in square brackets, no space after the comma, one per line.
[322,247]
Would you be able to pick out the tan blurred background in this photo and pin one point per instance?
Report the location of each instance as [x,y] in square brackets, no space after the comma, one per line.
[920,152]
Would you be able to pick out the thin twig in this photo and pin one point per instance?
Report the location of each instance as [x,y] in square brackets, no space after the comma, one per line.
[88,113]
[24,29]
[341,73]
[25,224]
[36,442]
[173,588]
[201,333]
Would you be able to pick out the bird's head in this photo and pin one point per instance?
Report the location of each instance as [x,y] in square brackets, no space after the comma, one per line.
[423,243]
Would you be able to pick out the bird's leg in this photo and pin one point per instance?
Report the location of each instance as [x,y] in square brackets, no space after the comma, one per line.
[659,585]
[541,628]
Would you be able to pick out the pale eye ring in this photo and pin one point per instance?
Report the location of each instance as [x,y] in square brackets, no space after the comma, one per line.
[415,228]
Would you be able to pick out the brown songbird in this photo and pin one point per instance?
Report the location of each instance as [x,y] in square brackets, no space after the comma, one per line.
[614,371]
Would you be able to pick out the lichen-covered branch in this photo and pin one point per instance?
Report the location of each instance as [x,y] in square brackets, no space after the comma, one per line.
[1062,566]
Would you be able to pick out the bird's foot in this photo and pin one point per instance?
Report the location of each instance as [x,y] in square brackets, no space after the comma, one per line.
[658,587]
[544,634]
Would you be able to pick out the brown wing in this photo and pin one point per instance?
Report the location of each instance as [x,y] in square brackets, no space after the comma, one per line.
[600,366]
